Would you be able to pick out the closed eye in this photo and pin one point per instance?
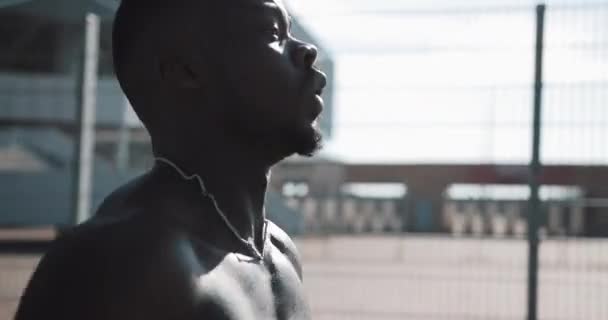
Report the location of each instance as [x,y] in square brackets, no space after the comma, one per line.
[273,32]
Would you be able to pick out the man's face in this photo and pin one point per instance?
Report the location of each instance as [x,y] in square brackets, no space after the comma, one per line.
[270,89]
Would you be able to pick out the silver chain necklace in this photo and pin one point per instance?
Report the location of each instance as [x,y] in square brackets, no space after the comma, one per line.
[249,244]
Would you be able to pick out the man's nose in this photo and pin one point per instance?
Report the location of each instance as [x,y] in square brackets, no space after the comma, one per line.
[305,55]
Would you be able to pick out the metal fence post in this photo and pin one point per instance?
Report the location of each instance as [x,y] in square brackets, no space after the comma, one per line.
[535,170]
[85,121]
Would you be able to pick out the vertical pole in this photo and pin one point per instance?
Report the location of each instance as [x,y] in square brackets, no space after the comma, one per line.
[85,117]
[535,170]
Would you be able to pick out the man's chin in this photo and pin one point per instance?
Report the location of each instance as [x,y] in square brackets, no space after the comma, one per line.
[304,141]
[308,142]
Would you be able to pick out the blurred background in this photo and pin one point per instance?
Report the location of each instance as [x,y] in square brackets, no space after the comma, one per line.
[420,204]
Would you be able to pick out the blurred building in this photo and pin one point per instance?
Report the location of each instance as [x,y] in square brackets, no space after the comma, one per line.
[483,200]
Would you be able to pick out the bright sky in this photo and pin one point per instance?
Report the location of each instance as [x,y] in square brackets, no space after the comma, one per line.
[449,81]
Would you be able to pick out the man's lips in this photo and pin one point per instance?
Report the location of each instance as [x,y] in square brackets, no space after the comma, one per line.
[321,82]
[317,106]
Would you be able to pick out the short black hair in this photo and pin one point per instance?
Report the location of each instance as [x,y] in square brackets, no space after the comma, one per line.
[141,30]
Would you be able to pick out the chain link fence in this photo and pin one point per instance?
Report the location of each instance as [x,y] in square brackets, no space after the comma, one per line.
[368,257]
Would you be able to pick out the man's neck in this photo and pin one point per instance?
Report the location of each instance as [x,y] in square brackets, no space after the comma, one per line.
[236,180]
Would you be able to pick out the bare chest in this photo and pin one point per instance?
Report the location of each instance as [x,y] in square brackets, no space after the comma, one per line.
[239,289]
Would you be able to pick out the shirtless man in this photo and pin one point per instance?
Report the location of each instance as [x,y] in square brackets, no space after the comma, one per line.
[225,92]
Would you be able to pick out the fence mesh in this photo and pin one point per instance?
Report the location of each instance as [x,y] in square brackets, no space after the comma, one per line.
[463,79]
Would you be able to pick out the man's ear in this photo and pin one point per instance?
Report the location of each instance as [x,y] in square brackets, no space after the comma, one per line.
[174,72]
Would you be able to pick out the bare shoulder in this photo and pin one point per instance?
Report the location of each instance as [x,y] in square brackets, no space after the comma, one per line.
[90,271]
[128,262]
[69,278]
[108,269]
[285,244]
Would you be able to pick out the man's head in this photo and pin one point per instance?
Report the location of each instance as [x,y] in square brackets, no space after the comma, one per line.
[224,69]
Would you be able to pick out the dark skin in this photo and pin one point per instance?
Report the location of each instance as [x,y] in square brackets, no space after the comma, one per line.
[157,248]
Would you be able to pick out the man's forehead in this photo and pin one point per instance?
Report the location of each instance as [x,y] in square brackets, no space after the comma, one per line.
[258,4]
[249,9]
